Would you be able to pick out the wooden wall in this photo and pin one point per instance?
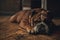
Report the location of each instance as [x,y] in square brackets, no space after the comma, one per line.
[9,6]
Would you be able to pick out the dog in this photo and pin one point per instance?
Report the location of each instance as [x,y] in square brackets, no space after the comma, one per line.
[32,20]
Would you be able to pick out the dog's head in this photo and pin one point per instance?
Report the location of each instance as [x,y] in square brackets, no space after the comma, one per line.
[39,15]
[38,20]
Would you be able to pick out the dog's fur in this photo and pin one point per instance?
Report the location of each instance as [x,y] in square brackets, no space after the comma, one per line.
[27,18]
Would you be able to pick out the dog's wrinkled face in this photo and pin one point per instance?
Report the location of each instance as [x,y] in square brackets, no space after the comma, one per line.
[38,21]
[29,20]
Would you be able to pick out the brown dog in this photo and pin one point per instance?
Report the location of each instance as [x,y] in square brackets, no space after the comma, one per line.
[26,20]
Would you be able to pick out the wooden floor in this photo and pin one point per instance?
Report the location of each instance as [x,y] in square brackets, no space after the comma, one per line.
[10,31]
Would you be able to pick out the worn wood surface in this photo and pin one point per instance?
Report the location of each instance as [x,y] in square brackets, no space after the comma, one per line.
[10,31]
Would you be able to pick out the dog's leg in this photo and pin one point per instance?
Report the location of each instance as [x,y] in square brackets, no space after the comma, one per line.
[12,18]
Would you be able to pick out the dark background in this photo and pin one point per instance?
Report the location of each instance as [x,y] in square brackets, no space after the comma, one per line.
[52,6]
[8,7]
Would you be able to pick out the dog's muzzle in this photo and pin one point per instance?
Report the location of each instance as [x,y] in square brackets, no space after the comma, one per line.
[41,28]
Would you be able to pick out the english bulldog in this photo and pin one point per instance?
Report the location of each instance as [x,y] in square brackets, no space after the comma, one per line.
[33,21]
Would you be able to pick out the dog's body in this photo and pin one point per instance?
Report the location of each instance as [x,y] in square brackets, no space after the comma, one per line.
[27,18]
